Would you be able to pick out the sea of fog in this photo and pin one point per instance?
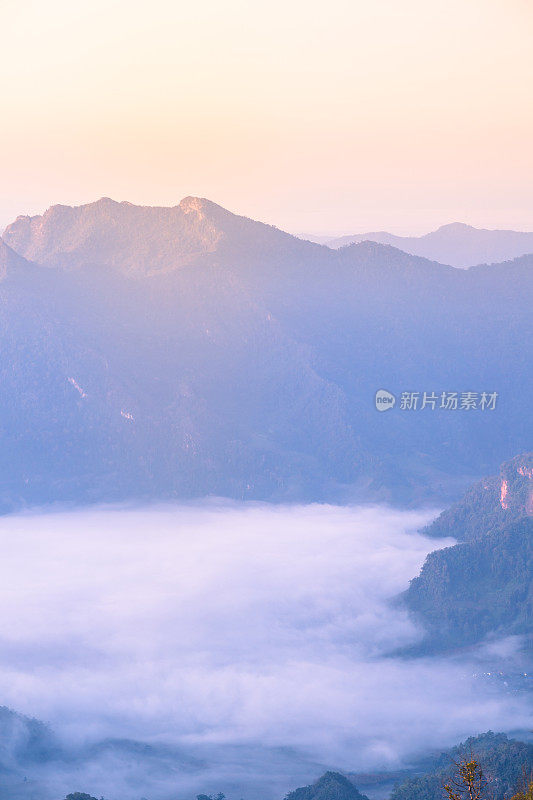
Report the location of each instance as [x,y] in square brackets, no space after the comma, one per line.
[253,640]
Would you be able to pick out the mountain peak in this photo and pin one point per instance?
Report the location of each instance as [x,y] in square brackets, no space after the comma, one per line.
[202,209]
[453,227]
[198,204]
[107,201]
[190,204]
[331,786]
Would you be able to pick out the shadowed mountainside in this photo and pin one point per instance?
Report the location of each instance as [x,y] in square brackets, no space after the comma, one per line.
[505,763]
[483,585]
[471,590]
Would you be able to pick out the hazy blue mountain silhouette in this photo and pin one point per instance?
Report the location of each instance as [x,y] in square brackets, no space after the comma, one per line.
[156,352]
[457,244]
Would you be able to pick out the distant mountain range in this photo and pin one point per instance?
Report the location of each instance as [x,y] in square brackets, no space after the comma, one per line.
[185,351]
[36,765]
[457,244]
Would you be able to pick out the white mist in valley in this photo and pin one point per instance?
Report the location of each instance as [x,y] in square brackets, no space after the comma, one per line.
[222,626]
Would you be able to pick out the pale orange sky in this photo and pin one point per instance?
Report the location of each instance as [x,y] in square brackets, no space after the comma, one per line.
[315,116]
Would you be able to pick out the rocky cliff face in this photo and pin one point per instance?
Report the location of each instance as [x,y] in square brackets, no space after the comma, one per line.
[491,504]
[516,485]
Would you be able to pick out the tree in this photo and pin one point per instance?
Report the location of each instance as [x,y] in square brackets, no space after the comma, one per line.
[219,796]
[525,791]
[81,796]
[468,781]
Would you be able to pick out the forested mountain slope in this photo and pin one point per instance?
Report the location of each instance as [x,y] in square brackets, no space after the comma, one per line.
[483,585]
[178,352]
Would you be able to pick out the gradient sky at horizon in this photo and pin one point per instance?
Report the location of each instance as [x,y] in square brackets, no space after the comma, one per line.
[341,117]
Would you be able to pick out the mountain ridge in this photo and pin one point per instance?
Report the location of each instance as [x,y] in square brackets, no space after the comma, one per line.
[455,243]
[165,238]
[157,238]
[181,352]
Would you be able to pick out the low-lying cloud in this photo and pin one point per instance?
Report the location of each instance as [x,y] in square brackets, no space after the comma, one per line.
[218,627]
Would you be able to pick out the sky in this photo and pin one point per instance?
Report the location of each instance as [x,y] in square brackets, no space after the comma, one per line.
[219,626]
[337,117]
